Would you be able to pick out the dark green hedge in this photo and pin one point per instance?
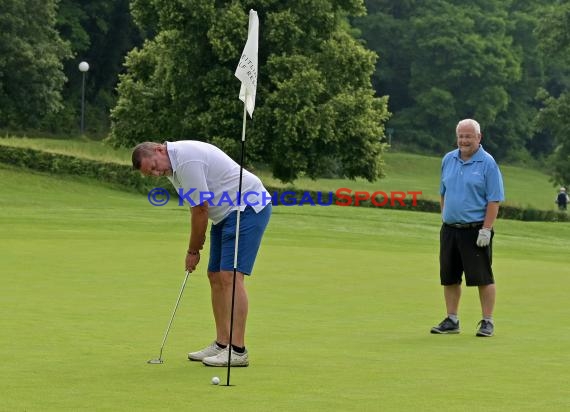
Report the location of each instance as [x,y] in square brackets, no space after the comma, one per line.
[423,205]
[58,164]
[124,176]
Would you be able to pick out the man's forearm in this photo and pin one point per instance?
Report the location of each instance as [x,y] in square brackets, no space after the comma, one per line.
[491,214]
[198,225]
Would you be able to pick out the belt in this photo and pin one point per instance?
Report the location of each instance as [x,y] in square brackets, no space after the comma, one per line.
[464,225]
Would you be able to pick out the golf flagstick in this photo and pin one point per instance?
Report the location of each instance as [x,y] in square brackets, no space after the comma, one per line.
[237,243]
[246,72]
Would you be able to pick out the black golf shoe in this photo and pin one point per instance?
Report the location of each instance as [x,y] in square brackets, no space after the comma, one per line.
[486,328]
[447,326]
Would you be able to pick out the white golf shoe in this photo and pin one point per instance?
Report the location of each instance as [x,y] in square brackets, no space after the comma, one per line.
[221,359]
[212,350]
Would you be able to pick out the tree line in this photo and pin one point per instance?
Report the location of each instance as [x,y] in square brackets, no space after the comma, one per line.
[335,76]
[502,62]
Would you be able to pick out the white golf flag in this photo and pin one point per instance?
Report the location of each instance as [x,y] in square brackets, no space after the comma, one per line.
[247,67]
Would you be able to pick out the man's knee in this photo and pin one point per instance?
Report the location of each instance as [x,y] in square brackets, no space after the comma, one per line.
[215,279]
[225,278]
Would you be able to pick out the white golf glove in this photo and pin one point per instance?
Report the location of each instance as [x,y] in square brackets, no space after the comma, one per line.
[484,237]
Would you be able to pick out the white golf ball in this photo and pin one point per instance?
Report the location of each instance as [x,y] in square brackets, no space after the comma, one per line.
[215,380]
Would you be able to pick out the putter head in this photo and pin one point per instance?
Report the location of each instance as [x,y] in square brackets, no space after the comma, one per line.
[155,361]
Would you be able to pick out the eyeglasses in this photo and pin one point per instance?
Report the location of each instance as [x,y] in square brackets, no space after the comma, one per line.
[467,136]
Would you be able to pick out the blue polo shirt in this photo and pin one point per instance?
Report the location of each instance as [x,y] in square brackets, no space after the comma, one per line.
[469,186]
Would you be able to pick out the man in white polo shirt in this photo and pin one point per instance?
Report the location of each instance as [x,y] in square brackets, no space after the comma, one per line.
[207,179]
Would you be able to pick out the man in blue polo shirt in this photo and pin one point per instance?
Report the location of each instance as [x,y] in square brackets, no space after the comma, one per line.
[471,189]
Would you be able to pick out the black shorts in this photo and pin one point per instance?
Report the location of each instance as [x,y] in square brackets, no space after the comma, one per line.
[458,253]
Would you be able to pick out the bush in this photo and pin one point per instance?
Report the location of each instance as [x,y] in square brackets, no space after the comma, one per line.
[58,164]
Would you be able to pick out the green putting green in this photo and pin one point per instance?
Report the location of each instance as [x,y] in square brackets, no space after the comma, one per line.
[341,303]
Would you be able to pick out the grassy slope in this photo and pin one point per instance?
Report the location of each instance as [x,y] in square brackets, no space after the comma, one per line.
[410,172]
[405,172]
[341,304]
[80,148]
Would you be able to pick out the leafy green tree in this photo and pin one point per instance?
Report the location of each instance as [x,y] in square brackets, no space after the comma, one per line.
[386,30]
[555,116]
[99,32]
[315,108]
[31,54]
[513,134]
[443,60]
[463,65]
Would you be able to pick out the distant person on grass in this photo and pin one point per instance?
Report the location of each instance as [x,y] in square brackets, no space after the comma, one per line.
[562,199]
[205,168]
[471,188]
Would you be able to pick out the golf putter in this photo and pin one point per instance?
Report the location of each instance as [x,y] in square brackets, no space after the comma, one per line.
[159,360]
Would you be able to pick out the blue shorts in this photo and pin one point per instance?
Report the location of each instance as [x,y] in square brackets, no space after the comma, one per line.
[223,236]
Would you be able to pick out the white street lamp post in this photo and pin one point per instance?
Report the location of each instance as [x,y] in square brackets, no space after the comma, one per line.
[83,67]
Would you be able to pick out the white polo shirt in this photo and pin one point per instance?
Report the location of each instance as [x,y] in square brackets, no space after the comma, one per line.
[203,172]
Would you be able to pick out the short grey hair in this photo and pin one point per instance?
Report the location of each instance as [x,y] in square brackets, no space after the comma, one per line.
[470,122]
[142,150]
